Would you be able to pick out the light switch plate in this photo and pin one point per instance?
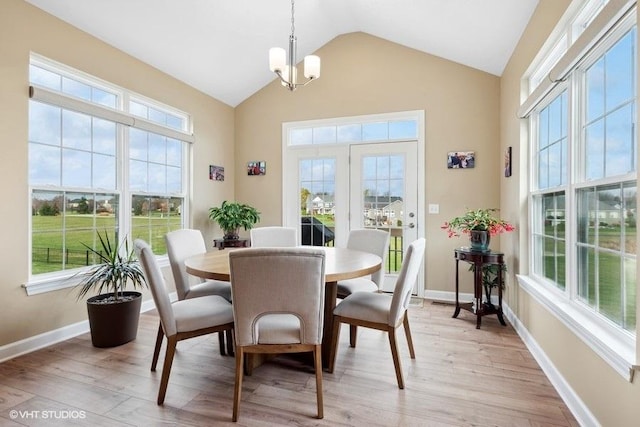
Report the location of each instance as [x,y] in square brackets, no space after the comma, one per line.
[434,208]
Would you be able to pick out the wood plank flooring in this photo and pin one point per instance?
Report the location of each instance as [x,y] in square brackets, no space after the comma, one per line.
[461,377]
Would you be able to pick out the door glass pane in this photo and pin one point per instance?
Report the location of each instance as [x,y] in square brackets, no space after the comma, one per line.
[382,192]
[317,195]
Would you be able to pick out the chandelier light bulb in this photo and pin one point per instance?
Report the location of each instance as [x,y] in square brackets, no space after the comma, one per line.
[277,59]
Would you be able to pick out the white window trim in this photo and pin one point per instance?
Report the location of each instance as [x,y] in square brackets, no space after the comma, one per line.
[55,281]
[607,342]
[599,27]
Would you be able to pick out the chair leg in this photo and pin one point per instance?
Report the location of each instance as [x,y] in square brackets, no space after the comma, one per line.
[238,386]
[230,342]
[407,332]
[248,364]
[353,334]
[221,342]
[166,368]
[335,335]
[156,351]
[396,359]
[317,356]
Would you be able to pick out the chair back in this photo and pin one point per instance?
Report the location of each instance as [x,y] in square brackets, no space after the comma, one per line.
[181,244]
[406,280]
[372,241]
[277,281]
[279,237]
[156,284]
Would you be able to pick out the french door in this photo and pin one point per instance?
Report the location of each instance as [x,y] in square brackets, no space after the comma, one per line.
[340,188]
[384,195]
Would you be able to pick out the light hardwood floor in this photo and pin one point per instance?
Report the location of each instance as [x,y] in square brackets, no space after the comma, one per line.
[461,377]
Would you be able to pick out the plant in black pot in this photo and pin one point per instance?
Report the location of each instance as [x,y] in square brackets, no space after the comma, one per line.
[230,216]
[114,312]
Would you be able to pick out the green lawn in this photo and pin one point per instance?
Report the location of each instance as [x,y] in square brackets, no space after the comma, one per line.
[616,282]
[49,249]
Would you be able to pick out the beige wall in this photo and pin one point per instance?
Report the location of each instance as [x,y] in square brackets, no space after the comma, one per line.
[465,109]
[24,28]
[362,74]
[609,396]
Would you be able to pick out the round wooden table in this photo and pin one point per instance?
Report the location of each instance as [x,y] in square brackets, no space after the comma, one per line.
[340,264]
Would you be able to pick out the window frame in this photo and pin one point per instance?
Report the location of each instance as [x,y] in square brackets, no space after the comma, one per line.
[610,341]
[123,119]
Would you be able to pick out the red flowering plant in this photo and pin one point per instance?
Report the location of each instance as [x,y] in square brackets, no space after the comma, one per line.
[477,219]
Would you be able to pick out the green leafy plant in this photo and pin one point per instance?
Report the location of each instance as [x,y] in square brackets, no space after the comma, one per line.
[116,268]
[230,216]
[477,219]
[490,277]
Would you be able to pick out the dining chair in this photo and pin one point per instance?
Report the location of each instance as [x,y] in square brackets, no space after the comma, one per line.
[182,244]
[382,311]
[367,240]
[283,313]
[262,237]
[182,319]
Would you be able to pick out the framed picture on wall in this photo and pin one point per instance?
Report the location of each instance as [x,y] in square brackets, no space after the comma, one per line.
[461,159]
[257,168]
[216,173]
[507,162]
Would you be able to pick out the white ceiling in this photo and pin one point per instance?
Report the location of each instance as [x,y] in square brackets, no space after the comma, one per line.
[221,46]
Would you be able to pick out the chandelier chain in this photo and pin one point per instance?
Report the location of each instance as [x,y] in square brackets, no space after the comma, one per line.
[293,27]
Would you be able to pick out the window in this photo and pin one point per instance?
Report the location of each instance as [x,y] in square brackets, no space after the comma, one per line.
[548,201]
[584,191]
[101,160]
[347,132]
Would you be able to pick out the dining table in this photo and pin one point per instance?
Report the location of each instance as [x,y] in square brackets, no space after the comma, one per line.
[340,264]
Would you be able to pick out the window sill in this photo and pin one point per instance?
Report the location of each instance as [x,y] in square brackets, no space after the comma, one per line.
[613,347]
[57,281]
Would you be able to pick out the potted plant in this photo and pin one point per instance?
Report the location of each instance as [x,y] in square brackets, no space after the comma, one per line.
[230,216]
[479,225]
[113,313]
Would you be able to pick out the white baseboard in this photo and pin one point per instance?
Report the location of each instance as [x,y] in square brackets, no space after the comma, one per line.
[46,339]
[577,407]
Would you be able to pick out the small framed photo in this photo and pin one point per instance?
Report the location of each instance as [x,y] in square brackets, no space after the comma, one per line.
[216,173]
[507,162]
[257,168]
[461,159]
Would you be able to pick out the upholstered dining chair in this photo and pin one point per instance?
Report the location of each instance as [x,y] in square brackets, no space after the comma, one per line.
[182,319]
[280,237]
[181,244]
[372,241]
[284,313]
[382,311]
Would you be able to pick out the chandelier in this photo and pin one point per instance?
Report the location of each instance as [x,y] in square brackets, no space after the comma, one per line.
[288,73]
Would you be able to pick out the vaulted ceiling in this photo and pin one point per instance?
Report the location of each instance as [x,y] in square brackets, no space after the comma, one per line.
[221,46]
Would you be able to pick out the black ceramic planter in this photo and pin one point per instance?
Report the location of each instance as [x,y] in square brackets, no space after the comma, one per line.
[114,324]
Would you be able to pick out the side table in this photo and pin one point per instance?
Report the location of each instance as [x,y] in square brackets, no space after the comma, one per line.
[233,243]
[478,306]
